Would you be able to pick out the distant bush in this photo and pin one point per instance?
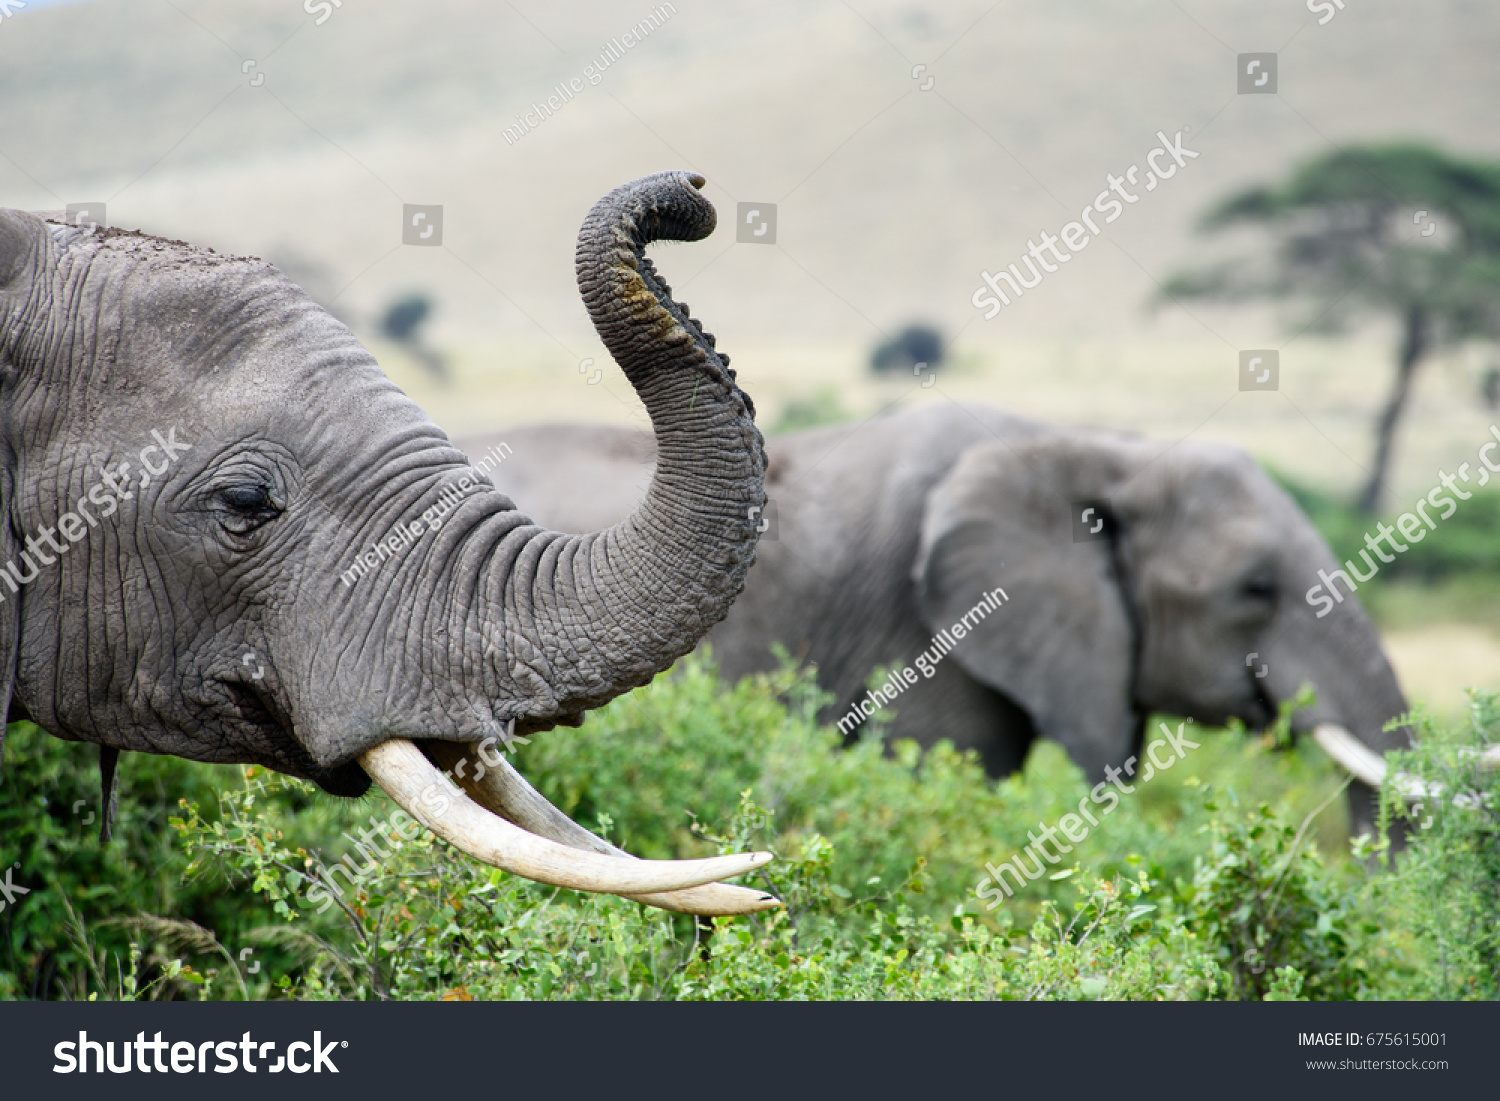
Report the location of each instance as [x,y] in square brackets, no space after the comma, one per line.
[405,316]
[1465,543]
[912,345]
[822,407]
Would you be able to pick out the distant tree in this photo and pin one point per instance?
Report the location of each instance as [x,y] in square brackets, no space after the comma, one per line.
[912,345]
[405,316]
[1399,230]
[402,322]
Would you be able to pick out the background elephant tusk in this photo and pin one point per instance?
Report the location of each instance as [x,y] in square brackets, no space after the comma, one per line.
[1367,766]
[506,792]
[1350,754]
[409,778]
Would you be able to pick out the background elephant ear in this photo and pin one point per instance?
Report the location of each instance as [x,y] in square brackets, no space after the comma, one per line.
[1063,645]
[19,237]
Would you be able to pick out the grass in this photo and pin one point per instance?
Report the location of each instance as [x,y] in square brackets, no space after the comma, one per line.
[1406,604]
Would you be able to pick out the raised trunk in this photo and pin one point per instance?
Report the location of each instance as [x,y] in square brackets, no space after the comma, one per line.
[586,617]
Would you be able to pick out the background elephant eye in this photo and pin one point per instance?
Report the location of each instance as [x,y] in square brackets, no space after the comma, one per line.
[1259,589]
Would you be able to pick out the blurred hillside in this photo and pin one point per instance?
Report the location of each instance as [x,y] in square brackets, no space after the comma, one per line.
[891,199]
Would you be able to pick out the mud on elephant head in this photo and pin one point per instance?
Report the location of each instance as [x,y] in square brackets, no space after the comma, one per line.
[195,605]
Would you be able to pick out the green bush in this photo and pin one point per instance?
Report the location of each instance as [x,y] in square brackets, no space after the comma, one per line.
[1463,544]
[688,742]
[49,839]
[1261,898]
[432,924]
[1446,889]
[1197,886]
[823,406]
[89,902]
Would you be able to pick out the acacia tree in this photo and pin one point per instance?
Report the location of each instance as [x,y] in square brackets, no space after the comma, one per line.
[1400,231]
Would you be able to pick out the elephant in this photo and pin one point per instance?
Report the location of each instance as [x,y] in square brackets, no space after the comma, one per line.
[292,566]
[1104,577]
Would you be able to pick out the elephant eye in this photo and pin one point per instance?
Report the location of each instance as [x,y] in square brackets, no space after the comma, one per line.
[1259,588]
[246,506]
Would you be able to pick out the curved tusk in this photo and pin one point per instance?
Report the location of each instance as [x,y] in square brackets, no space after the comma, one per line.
[500,788]
[1350,754]
[409,778]
[1366,765]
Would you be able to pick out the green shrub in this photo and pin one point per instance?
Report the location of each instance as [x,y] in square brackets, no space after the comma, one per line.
[823,406]
[1261,898]
[1445,890]
[49,839]
[1180,893]
[1463,544]
[90,902]
[688,742]
[432,924]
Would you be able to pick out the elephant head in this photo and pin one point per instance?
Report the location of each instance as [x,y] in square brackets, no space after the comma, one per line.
[1144,580]
[217,453]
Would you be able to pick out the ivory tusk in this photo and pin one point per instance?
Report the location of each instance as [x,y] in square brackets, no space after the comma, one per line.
[1350,754]
[503,790]
[1367,766]
[409,778]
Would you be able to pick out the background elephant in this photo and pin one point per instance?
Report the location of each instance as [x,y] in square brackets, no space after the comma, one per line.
[1183,591]
[206,604]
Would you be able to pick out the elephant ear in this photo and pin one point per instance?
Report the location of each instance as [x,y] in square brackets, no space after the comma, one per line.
[20,240]
[1063,644]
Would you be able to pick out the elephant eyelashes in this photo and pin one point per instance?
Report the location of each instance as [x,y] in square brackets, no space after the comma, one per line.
[246,507]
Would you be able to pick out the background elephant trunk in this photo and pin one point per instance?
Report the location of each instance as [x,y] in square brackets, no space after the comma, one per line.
[1340,656]
[587,617]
